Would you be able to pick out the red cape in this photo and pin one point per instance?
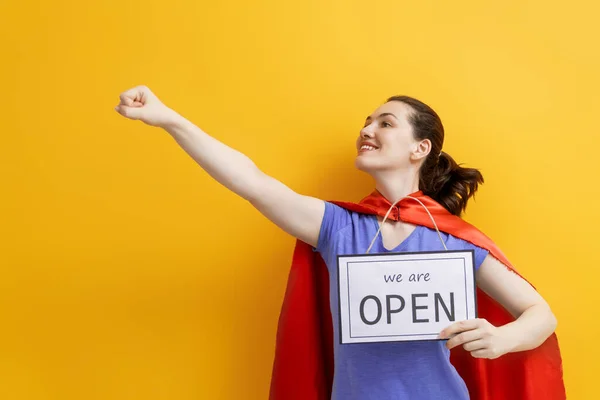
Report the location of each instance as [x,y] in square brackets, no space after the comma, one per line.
[303,366]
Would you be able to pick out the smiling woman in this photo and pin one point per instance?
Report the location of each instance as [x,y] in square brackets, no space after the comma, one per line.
[400,122]
[400,146]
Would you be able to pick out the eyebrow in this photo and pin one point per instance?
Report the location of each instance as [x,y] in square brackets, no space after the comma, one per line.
[382,115]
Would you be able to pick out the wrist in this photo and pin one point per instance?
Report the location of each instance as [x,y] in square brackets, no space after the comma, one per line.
[511,336]
[171,121]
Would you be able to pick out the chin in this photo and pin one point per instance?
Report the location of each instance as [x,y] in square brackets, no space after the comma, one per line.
[373,165]
[363,164]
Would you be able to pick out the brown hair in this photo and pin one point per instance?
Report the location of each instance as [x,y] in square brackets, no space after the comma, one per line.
[440,176]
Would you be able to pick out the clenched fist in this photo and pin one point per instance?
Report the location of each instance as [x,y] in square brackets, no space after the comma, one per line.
[141,104]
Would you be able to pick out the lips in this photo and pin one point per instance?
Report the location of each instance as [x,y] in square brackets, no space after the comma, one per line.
[367,147]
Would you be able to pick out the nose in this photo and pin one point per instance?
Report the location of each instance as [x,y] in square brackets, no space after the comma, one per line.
[366,132]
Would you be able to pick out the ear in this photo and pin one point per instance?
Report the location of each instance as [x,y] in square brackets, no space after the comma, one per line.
[421,150]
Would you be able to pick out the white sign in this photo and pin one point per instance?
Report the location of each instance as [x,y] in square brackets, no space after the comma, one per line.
[404,296]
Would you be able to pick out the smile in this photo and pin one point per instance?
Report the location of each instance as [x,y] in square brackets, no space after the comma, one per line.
[366,147]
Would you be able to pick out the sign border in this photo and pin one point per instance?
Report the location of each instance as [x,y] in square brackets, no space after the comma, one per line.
[393,254]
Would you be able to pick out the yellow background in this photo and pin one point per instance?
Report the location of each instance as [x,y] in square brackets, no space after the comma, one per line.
[127,273]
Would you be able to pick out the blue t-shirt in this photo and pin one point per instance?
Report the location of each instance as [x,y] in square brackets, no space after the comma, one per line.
[396,370]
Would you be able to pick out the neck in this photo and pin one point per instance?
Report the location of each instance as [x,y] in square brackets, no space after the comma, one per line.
[394,185]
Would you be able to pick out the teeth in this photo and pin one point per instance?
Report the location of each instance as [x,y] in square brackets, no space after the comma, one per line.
[367,147]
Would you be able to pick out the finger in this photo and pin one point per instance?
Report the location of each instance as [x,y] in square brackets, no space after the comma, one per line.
[484,353]
[127,98]
[458,327]
[129,112]
[475,345]
[134,97]
[464,337]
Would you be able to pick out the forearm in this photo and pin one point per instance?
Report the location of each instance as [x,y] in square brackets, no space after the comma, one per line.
[228,166]
[531,329]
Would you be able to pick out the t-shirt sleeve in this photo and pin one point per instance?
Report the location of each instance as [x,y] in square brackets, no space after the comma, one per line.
[459,244]
[480,255]
[334,219]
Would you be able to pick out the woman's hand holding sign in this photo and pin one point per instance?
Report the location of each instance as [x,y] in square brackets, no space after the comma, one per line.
[479,337]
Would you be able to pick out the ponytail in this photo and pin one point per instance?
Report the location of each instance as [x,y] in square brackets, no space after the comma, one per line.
[440,177]
[448,183]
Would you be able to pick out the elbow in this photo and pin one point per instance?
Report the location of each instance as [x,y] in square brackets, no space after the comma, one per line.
[252,187]
[552,321]
[548,325]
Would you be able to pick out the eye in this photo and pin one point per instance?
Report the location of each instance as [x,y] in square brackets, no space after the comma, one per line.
[386,124]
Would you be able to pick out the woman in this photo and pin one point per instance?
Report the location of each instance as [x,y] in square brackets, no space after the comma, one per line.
[400,146]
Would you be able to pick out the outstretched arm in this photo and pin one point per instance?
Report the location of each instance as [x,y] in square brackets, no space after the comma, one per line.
[296,214]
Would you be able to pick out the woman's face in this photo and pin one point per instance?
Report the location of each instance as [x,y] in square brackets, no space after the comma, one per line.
[387,143]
